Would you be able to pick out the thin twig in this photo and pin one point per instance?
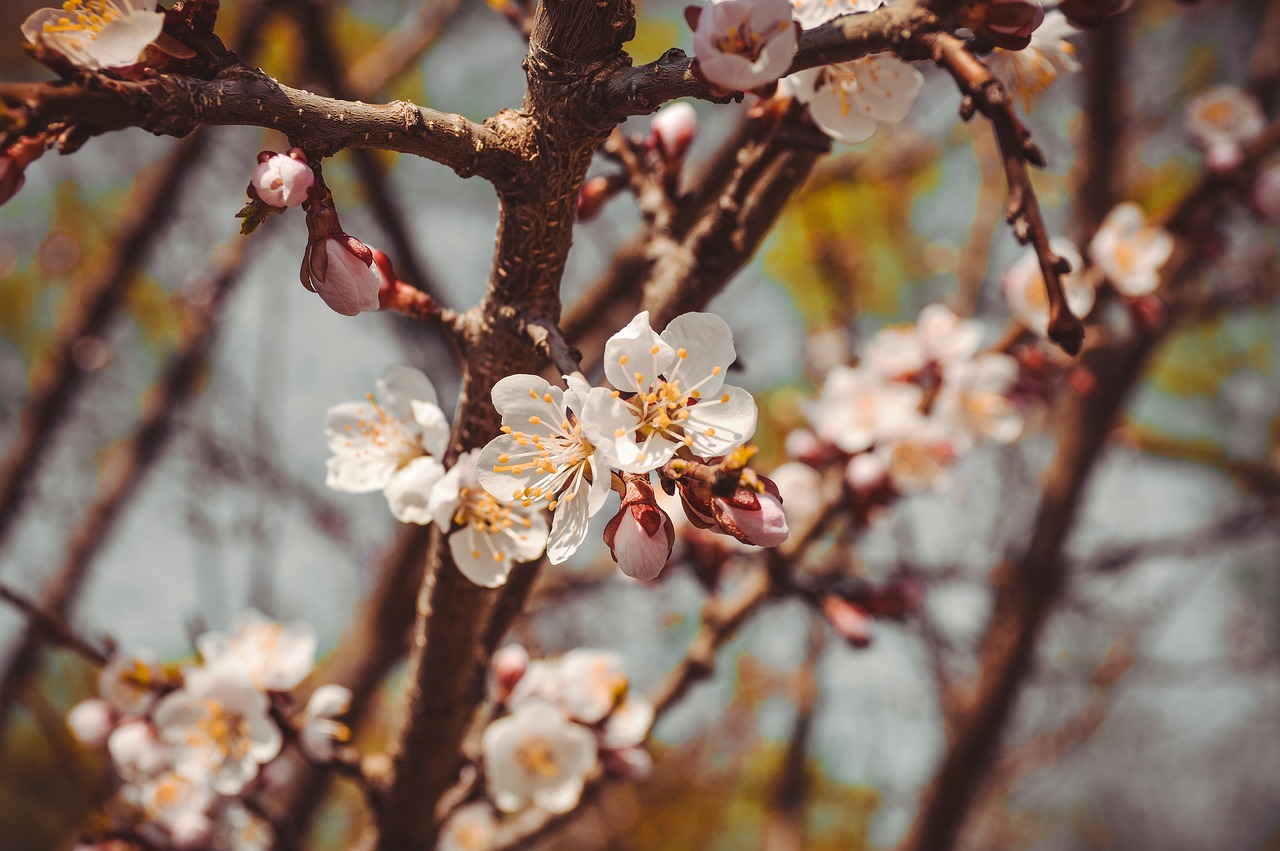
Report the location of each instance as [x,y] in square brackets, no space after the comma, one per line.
[50,627]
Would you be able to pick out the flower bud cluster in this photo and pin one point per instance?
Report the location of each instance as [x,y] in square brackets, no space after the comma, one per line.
[189,743]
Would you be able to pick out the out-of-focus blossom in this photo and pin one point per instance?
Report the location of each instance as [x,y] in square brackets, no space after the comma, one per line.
[537,756]
[90,722]
[390,443]
[850,100]
[800,487]
[509,665]
[973,403]
[218,729]
[237,829]
[322,732]
[1266,195]
[340,270]
[543,455]
[744,44]
[1130,251]
[1027,73]
[492,534]
[919,459]
[591,683]
[283,180]
[177,803]
[472,827]
[136,751]
[857,407]
[96,33]
[125,683]
[1224,115]
[1024,287]
[272,656]
[939,337]
[672,130]
[640,536]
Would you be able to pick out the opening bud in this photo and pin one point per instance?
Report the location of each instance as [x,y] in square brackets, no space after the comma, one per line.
[640,536]
[282,180]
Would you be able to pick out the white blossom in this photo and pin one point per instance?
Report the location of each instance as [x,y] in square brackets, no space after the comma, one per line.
[1224,115]
[272,656]
[744,44]
[136,751]
[1024,288]
[173,800]
[673,394]
[1129,251]
[90,722]
[96,33]
[218,728]
[472,827]
[125,684]
[919,458]
[850,100]
[857,408]
[237,829]
[1027,73]
[321,732]
[543,455]
[390,443]
[939,337]
[973,403]
[537,756]
[592,682]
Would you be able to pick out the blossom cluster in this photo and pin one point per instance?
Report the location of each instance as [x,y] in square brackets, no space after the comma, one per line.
[562,719]
[922,395]
[562,449]
[190,745]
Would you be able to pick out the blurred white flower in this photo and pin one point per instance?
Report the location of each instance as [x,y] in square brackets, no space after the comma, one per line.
[1129,251]
[1224,115]
[1027,73]
[472,827]
[136,751]
[218,728]
[272,656]
[744,44]
[174,801]
[592,682]
[537,756]
[492,535]
[96,33]
[321,732]
[1024,288]
[125,683]
[90,722]
[390,443]
[973,403]
[857,408]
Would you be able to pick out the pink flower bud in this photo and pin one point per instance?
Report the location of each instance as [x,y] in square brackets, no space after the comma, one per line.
[1223,157]
[340,271]
[756,519]
[190,830]
[11,178]
[509,666]
[672,131]
[640,536]
[90,722]
[866,471]
[1266,195]
[283,180]
[595,193]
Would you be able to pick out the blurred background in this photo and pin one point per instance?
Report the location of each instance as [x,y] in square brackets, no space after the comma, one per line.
[1151,715]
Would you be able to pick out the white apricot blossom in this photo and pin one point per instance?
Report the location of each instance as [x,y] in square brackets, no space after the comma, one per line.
[136,751]
[857,408]
[1024,288]
[125,683]
[492,534]
[96,33]
[673,394]
[544,456]
[218,729]
[939,337]
[744,44]
[537,755]
[919,459]
[850,100]
[472,827]
[973,403]
[176,802]
[1224,115]
[1027,73]
[321,732]
[390,443]
[1130,251]
[272,656]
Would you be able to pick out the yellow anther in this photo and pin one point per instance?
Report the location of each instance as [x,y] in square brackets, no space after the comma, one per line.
[715,370]
[711,432]
[655,350]
[546,397]
[682,353]
[615,394]
[724,399]
[534,420]
[503,458]
[622,361]
[620,432]
[533,394]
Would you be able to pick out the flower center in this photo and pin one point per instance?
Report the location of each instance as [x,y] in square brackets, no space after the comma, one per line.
[227,732]
[535,755]
[85,16]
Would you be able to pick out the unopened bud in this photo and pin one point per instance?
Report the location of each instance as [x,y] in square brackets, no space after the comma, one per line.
[509,665]
[340,270]
[753,518]
[1223,157]
[640,536]
[1266,195]
[672,131]
[595,193]
[282,180]
[90,722]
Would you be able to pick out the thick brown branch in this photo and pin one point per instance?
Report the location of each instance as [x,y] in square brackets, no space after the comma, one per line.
[174,106]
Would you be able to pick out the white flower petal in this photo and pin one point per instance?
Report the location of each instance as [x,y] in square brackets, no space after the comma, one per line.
[409,491]
[721,424]
[635,356]
[402,385]
[476,561]
[707,342]
[568,528]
